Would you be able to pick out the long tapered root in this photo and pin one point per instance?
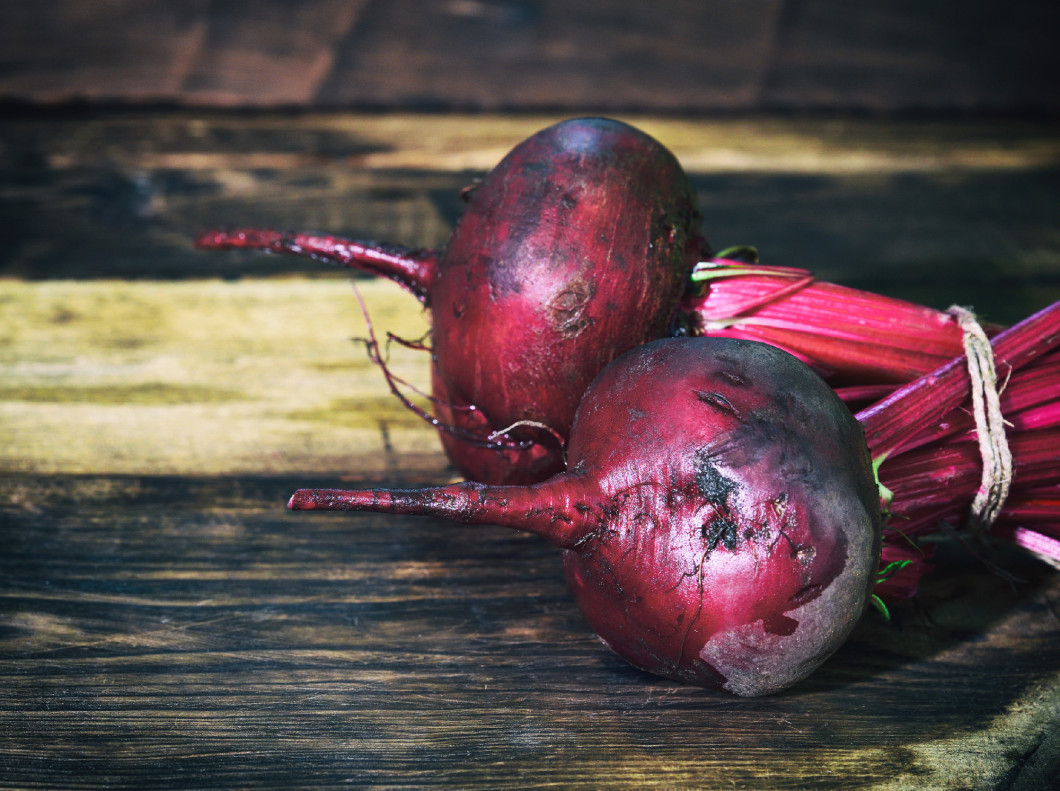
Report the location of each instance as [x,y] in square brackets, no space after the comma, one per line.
[563,509]
[414,269]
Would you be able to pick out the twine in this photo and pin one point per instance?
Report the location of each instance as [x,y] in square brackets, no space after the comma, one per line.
[989,423]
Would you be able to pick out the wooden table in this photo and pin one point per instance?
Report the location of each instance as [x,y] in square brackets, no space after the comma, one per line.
[164,622]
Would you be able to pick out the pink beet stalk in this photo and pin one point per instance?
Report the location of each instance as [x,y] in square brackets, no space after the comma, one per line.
[850,337]
[925,443]
[914,407]
[1038,505]
[948,475]
[1046,547]
[1028,400]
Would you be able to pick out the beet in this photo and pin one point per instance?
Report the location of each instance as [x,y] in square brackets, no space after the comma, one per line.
[719,520]
[576,247]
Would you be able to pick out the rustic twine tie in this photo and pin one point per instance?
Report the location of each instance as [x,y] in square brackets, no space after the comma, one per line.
[989,423]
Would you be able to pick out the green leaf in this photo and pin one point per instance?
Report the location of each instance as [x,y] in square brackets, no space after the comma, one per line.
[743,253]
[890,570]
[877,602]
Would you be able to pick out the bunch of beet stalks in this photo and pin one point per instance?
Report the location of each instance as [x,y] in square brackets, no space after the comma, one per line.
[734,458]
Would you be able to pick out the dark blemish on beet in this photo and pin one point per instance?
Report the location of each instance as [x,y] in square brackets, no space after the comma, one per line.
[504,274]
[732,378]
[758,436]
[712,484]
[807,594]
[716,400]
[723,531]
[569,201]
[568,308]
[780,504]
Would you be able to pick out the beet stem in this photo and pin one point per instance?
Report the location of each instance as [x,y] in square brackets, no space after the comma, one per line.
[410,268]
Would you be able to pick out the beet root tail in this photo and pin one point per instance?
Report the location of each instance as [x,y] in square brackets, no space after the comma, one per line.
[563,510]
[410,268]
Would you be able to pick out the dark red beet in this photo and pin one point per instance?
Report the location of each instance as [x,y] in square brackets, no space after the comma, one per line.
[720,518]
[572,250]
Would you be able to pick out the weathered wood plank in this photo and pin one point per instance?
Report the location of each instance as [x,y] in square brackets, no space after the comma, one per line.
[504,55]
[207,378]
[939,213]
[187,631]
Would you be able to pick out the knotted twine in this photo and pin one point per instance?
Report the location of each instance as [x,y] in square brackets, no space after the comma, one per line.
[989,423]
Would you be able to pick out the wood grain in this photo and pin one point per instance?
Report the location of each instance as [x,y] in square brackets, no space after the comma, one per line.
[935,212]
[207,377]
[183,631]
[522,55]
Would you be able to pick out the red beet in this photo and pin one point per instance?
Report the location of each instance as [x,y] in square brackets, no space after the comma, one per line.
[575,248]
[719,519]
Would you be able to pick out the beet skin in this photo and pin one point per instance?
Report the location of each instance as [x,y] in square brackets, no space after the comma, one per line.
[719,519]
[576,247]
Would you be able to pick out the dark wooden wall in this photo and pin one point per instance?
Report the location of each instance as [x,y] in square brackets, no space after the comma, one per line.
[666,55]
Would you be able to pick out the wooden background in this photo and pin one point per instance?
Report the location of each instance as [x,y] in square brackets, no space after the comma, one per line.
[164,622]
[686,56]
